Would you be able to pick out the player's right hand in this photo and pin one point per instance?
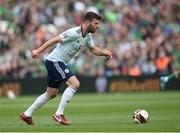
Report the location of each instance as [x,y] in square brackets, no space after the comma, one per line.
[35,53]
[108,54]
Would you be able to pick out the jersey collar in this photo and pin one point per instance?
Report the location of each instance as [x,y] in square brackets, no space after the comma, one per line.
[82,32]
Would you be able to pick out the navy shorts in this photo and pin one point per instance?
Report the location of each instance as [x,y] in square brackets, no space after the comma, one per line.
[57,72]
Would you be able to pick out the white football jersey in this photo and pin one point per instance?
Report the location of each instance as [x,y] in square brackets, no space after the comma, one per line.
[72,41]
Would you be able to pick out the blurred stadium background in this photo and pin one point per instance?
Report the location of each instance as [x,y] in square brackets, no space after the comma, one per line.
[143,35]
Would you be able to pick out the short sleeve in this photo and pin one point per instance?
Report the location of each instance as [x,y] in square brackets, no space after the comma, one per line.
[67,35]
[89,41]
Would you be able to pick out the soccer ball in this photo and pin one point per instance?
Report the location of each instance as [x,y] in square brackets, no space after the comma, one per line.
[10,94]
[140,116]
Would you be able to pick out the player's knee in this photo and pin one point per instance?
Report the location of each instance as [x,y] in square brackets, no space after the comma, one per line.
[76,85]
[73,82]
[53,96]
[51,93]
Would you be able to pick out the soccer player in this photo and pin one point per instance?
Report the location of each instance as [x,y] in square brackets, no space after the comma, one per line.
[165,79]
[68,44]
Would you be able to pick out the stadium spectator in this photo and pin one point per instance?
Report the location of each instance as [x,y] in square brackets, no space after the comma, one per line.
[133,30]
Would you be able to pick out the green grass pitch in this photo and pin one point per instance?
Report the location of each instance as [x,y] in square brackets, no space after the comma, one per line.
[109,112]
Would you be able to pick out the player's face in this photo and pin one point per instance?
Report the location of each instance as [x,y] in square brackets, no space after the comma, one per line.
[94,26]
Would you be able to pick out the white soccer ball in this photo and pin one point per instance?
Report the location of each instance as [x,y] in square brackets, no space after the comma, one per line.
[10,94]
[140,116]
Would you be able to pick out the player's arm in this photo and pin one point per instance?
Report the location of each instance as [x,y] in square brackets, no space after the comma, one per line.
[36,52]
[100,52]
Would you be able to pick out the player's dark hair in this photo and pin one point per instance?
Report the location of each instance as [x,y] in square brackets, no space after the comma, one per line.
[92,15]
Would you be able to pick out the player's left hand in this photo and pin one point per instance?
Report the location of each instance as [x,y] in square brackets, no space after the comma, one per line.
[108,54]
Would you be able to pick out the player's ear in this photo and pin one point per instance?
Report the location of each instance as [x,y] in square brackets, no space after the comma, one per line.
[88,22]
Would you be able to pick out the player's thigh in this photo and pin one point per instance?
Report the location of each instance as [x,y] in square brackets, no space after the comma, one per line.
[73,82]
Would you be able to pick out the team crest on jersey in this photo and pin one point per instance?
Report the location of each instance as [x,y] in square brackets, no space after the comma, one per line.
[66,70]
[78,31]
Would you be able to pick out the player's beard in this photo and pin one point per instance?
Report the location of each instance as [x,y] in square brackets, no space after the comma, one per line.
[91,29]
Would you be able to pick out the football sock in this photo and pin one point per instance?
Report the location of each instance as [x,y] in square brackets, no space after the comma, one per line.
[40,101]
[66,97]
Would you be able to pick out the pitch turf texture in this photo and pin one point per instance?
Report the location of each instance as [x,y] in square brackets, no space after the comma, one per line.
[109,112]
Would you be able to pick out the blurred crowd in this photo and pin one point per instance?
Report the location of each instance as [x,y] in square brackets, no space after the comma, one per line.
[143,35]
